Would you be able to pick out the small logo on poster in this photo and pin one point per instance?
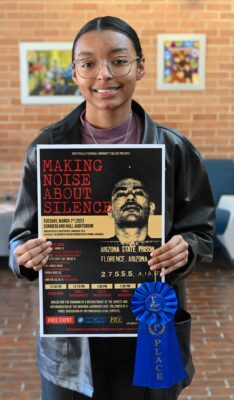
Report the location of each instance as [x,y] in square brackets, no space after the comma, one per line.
[80,320]
[116,320]
[95,320]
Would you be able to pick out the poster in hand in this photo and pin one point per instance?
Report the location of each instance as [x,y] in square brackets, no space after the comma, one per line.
[102,206]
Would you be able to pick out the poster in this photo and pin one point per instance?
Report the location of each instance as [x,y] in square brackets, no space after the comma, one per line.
[102,207]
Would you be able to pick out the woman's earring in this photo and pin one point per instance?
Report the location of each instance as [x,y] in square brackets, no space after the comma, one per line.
[138,73]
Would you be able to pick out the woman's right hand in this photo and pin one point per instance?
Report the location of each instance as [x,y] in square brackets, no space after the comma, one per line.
[34,253]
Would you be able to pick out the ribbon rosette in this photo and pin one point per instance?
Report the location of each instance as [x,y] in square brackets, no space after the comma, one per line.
[154,305]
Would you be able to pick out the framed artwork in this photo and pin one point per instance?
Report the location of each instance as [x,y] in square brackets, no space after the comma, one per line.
[46,74]
[181,62]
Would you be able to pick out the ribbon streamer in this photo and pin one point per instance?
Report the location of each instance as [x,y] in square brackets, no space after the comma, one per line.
[158,361]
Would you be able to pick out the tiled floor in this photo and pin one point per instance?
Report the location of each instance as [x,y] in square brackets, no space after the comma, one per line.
[211,303]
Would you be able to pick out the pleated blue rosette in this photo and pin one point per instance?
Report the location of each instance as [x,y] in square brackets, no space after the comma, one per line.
[158,361]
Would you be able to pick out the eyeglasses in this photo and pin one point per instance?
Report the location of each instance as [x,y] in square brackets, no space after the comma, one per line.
[89,68]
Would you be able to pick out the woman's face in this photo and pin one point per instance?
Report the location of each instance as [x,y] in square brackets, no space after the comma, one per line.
[105,91]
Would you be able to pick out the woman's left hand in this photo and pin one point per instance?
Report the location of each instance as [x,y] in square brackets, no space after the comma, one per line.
[170,256]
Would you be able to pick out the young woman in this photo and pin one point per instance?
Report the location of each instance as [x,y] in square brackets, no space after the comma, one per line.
[107,63]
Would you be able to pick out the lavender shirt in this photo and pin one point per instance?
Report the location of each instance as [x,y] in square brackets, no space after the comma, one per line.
[115,135]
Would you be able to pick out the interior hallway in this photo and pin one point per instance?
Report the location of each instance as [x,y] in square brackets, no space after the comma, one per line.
[210,301]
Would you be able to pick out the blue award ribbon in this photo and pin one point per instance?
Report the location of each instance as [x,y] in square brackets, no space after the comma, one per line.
[158,363]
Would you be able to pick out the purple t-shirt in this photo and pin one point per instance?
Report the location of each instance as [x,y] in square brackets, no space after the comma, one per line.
[115,135]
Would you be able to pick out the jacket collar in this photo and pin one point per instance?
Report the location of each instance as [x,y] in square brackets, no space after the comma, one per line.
[68,129]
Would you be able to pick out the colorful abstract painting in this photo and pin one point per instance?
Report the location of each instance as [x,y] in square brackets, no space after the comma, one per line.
[46,73]
[181,62]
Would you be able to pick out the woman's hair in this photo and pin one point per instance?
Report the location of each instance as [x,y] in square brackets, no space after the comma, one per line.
[113,24]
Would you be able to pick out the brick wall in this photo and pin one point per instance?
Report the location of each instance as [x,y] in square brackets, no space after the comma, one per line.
[205,117]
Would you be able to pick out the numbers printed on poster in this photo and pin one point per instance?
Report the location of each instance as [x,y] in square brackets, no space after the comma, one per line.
[109,274]
[125,274]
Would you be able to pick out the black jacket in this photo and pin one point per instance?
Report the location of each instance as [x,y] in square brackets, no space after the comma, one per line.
[189,211]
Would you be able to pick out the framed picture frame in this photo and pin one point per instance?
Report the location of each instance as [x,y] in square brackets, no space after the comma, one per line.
[181,61]
[46,74]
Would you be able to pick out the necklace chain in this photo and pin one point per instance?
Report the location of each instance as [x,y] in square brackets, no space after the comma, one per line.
[126,134]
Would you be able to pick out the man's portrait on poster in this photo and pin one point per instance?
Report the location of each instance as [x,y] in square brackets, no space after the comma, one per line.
[131,206]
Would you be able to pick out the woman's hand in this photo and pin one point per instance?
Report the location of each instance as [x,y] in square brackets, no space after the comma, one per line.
[170,256]
[34,253]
